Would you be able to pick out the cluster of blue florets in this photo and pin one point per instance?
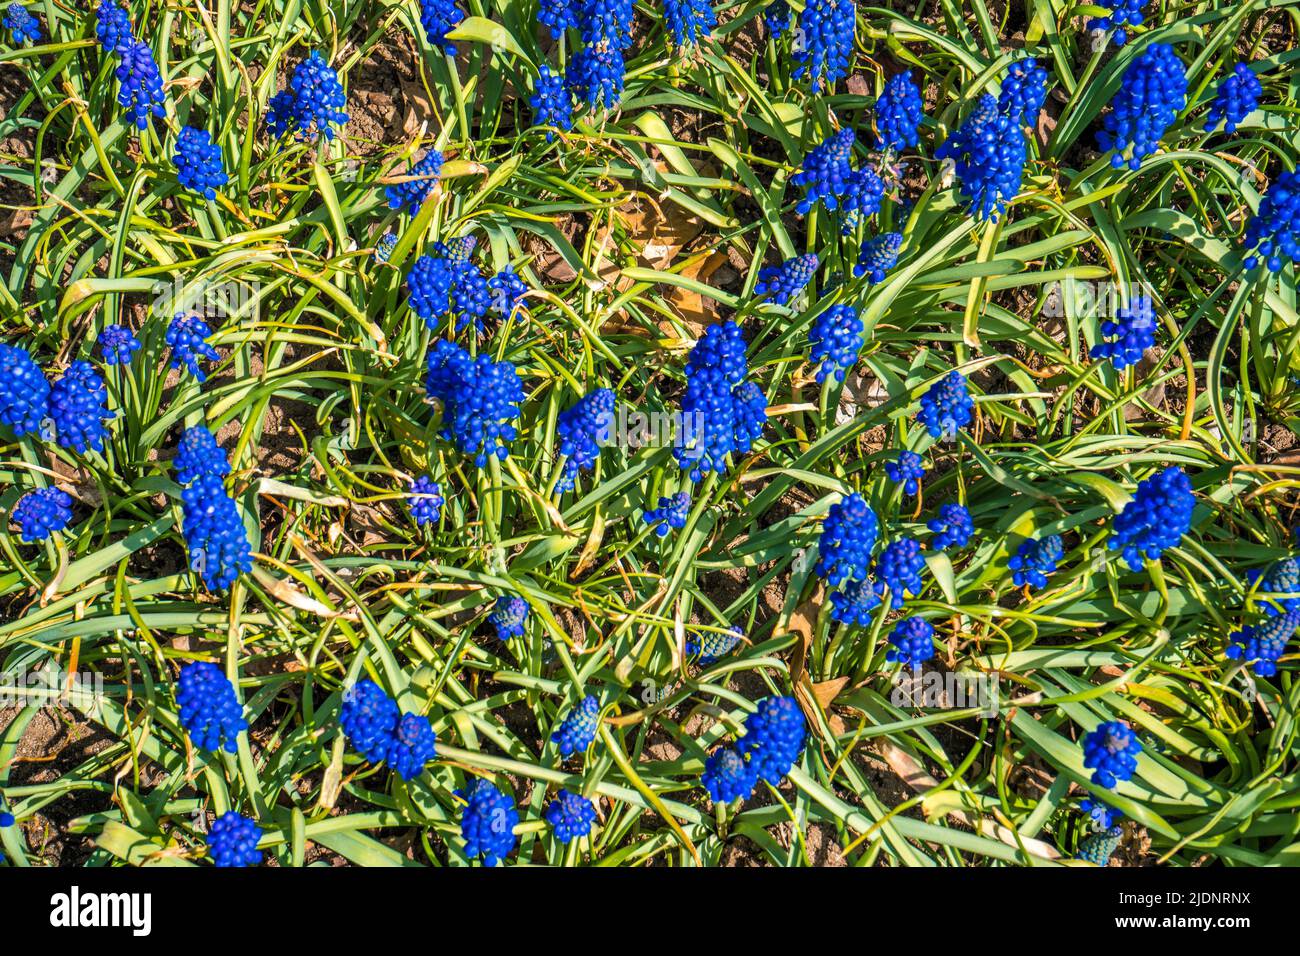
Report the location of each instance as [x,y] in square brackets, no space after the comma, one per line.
[827,173]
[1237,97]
[1278,588]
[595,74]
[727,775]
[439,17]
[785,281]
[140,90]
[1132,332]
[551,101]
[570,816]
[198,162]
[952,529]
[480,400]
[1102,816]
[836,338]
[1110,752]
[559,15]
[24,391]
[381,733]
[582,430]
[689,20]
[208,708]
[710,646]
[40,513]
[730,411]
[913,642]
[508,290]
[311,105]
[1274,232]
[509,616]
[425,500]
[488,822]
[827,29]
[848,537]
[778,16]
[946,407]
[22,26]
[113,26]
[1024,88]
[578,729]
[1261,645]
[187,338]
[421,178]
[877,256]
[988,154]
[215,538]
[898,571]
[1123,13]
[671,513]
[774,738]
[1035,559]
[1152,92]
[908,470]
[78,408]
[198,454]
[117,345]
[1157,517]
[898,114]
[233,841]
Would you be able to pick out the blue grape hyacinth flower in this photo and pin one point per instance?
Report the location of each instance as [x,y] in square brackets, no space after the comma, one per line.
[728,776]
[785,281]
[113,26]
[1110,752]
[826,172]
[378,730]
[847,539]
[40,513]
[233,841]
[140,90]
[578,729]
[988,153]
[215,538]
[1274,232]
[671,513]
[1102,816]
[877,256]
[551,102]
[952,529]
[425,500]
[908,470]
[605,22]
[1152,93]
[1035,559]
[582,431]
[508,290]
[836,339]
[1261,645]
[1283,578]
[946,407]
[480,400]
[24,391]
[778,16]
[559,15]
[1024,89]
[774,738]
[898,114]
[79,407]
[186,336]
[570,816]
[1132,332]
[913,642]
[1236,98]
[708,647]
[440,17]
[313,103]
[595,76]
[689,20]
[725,411]
[854,603]
[22,26]
[898,571]
[208,708]
[421,178]
[509,616]
[1156,518]
[198,454]
[198,162]
[1123,13]
[429,282]
[488,822]
[117,345]
[824,50]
